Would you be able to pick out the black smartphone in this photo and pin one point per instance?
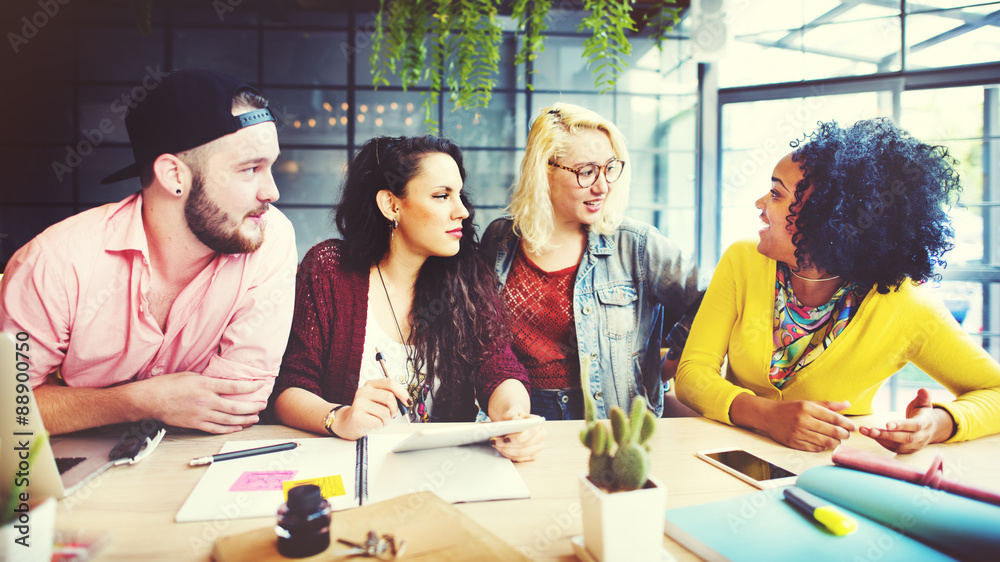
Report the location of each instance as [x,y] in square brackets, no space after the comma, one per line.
[749,468]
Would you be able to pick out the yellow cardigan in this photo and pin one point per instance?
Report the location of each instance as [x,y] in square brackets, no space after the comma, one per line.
[888,331]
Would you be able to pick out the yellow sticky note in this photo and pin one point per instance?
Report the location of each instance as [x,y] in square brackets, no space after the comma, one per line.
[329,486]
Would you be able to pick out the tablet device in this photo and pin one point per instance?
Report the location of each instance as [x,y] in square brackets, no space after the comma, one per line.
[464,434]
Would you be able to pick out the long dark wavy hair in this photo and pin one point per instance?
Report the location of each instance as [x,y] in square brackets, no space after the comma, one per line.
[455,318]
[877,211]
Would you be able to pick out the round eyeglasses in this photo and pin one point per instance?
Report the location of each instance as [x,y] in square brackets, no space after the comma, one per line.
[586,175]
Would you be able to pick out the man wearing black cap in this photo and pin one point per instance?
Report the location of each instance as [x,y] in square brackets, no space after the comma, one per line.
[176,303]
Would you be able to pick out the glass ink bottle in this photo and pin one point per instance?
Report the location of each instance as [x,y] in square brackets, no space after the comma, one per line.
[303,527]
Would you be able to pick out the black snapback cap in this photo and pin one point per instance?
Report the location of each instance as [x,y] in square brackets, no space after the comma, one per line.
[187,109]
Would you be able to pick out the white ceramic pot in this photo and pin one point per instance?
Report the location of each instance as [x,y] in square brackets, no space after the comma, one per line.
[623,526]
[37,530]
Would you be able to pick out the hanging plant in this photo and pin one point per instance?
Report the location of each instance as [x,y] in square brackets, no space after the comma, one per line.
[401,32]
[661,20]
[530,16]
[477,53]
[463,52]
[608,20]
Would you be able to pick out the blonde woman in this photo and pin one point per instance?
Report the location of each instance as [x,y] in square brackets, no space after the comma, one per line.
[580,281]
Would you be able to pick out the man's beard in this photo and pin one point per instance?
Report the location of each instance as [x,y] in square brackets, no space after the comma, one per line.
[209,223]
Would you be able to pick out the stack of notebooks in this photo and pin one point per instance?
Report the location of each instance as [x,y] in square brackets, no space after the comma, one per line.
[898,519]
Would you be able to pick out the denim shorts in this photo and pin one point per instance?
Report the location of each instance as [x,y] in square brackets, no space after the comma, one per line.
[557,403]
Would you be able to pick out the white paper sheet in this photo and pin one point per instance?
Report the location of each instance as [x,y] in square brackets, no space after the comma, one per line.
[456,474]
[214,499]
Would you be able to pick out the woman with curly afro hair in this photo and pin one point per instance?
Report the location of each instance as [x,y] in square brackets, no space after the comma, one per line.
[828,304]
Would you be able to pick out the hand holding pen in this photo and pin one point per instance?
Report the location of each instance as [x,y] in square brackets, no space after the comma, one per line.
[399,403]
[371,408]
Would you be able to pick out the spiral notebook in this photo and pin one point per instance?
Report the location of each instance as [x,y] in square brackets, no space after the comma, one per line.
[356,472]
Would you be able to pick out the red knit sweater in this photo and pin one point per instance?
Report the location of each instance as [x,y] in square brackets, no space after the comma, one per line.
[540,315]
[328,336]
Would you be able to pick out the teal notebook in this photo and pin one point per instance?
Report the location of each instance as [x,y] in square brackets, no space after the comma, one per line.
[896,521]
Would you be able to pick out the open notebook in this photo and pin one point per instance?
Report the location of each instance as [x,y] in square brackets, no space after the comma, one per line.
[351,473]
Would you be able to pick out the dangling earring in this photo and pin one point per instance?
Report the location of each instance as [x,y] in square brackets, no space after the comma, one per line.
[392,229]
[395,223]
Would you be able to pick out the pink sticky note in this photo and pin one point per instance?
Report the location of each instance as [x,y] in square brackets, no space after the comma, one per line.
[252,481]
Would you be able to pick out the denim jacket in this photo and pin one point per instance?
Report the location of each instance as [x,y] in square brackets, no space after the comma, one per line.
[628,285]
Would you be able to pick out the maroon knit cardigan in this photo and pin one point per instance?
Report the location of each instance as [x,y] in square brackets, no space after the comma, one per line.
[328,335]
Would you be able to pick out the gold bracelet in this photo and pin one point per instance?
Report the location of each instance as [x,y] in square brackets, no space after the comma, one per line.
[330,417]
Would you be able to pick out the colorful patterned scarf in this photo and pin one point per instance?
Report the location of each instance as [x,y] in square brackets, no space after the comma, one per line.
[801,333]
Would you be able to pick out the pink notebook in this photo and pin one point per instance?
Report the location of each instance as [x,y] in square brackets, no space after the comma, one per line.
[934,477]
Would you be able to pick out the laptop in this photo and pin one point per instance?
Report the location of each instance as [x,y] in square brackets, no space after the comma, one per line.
[64,464]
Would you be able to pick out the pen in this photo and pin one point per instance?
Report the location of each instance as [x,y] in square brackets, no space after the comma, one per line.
[244,453]
[834,519]
[381,363]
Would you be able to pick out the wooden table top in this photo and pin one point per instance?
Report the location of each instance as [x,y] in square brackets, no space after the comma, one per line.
[137,503]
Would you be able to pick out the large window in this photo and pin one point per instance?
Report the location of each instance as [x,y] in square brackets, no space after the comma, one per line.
[703,137]
[844,61]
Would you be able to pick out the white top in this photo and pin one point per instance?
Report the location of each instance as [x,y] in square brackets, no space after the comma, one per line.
[394,354]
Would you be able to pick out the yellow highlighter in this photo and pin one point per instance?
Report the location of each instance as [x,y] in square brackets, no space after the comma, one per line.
[838,522]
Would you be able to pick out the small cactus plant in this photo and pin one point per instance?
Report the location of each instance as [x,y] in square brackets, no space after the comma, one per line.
[627,467]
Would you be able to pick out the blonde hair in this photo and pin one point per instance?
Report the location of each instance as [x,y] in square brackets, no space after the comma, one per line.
[551,135]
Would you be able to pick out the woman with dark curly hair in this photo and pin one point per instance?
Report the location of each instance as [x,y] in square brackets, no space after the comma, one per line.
[406,284]
[828,304]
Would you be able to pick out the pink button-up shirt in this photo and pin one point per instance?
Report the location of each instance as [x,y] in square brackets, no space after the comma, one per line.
[78,290]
